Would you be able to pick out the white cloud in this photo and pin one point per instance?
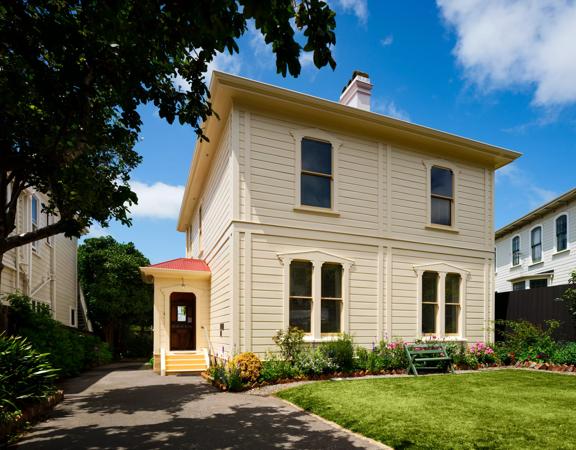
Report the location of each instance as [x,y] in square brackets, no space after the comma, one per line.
[503,44]
[157,201]
[96,231]
[389,108]
[387,41]
[512,176]
[307,59]
[223,62]
[357,7]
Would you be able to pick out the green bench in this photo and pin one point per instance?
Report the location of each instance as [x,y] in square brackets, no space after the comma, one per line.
[428,356]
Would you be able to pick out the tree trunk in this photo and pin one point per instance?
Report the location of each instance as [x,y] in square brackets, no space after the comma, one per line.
[1,266]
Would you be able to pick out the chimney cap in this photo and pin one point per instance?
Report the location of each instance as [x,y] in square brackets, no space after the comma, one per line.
[356,73]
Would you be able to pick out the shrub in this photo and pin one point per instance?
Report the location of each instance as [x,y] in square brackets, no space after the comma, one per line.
[290,342]
[67,349]
[392,354]
[26,376]
[529,342]
[249,366]
[368,360]
[340,352]
[484,353]
[227,374]
[565,354]
[314,362]
[461,357]
[274,369]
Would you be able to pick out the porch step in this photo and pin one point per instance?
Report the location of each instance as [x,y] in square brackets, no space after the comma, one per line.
[185,362]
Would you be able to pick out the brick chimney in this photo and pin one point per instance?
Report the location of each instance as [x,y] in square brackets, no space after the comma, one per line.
[357,92]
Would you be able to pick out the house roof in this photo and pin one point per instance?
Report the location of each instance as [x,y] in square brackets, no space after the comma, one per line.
[552,205]
[226,90]
[197,265]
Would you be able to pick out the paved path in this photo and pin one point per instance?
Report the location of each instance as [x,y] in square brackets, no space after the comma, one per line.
[121,407]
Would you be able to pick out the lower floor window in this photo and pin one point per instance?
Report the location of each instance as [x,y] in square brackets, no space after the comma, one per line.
[301,314]
[330,316]
[437,298]
[519,286]
[540,282]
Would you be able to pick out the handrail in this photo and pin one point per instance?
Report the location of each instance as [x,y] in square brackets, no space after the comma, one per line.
[207,337]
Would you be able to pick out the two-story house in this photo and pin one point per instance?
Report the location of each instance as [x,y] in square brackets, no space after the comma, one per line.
[538,249]
[323,215]
[45,270]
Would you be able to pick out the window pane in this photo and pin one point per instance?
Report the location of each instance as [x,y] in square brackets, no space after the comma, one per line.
[516,244]
[316,156]
[300,314]
[332,280]
[538,283]
[181,313]
[441,181]
[316,191]
[519,286]
[429,318]
[452,288]
[561,233]
[430,287]
[34,210]
[441,211]
[330,318]
[300,279]
[452,313]
[536,236]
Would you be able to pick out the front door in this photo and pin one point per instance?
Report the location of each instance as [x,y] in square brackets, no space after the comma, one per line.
[182,321]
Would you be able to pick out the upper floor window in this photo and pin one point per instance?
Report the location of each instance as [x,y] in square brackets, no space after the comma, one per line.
[34,217]
[536,244]
[516,251]
[562,233]
[442,196]
[316,176]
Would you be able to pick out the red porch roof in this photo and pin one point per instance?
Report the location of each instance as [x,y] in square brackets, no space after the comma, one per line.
[183,264]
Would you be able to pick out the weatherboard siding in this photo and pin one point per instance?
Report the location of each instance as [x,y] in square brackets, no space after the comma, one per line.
[563,263]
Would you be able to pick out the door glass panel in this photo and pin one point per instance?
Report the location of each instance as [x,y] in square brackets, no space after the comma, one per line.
[181,313]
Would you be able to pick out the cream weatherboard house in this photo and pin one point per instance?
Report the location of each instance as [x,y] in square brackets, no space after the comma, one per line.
[306,212]
[538,249]
[45,270]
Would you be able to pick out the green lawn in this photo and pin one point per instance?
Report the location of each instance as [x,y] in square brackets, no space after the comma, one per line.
[496,409]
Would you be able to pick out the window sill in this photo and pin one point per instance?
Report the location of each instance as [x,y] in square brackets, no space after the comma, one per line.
[562,252]
[449,338]
[325,338]
[449,229]
[534,264]
[517,266]
[315,210]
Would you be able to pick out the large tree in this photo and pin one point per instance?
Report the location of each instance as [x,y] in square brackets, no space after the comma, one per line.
[115,293]
[73,73]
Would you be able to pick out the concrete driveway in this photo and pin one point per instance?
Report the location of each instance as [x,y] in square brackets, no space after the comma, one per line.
[121,407]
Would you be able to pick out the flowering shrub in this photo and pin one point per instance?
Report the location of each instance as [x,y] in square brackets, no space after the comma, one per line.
[314,362]
[484,353]
[227,374]
[249,366]
[340,352]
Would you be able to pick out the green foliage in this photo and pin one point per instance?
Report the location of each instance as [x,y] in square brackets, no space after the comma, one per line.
[290,342]
[314,362]
[69,112]
[369,360]
[26,376]
[524,341]
[116,296]
[392,354]
[227,374]
[569,296]
[275,369]
[249,366]
[461,357]
[68,350]
[340,352]
[565,354]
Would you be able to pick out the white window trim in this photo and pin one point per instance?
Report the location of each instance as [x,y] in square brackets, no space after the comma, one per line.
[429,163]
[317,258]
[512,265]
[319,135]
[532,262]
[442,269]
[563,213]
[34,244]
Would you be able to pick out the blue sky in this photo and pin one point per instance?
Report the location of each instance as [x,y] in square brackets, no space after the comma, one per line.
[498,71]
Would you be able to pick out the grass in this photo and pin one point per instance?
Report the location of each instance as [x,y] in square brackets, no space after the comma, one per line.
[496,409]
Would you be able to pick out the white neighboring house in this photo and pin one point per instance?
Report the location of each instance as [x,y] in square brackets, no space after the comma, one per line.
[539,249]
[323,215]
[45,270]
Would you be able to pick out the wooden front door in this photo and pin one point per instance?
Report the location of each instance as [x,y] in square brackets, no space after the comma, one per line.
[182,321]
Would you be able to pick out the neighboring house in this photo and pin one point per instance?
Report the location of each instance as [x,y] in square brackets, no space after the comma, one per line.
[305,212]
[539,249]
[45,270]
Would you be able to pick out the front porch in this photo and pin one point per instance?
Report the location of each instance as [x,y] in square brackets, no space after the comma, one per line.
[181,315]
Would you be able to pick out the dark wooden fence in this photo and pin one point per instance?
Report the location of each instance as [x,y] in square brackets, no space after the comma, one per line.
[536,305]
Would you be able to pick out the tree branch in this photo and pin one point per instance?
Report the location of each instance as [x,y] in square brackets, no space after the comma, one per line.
[31,236]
